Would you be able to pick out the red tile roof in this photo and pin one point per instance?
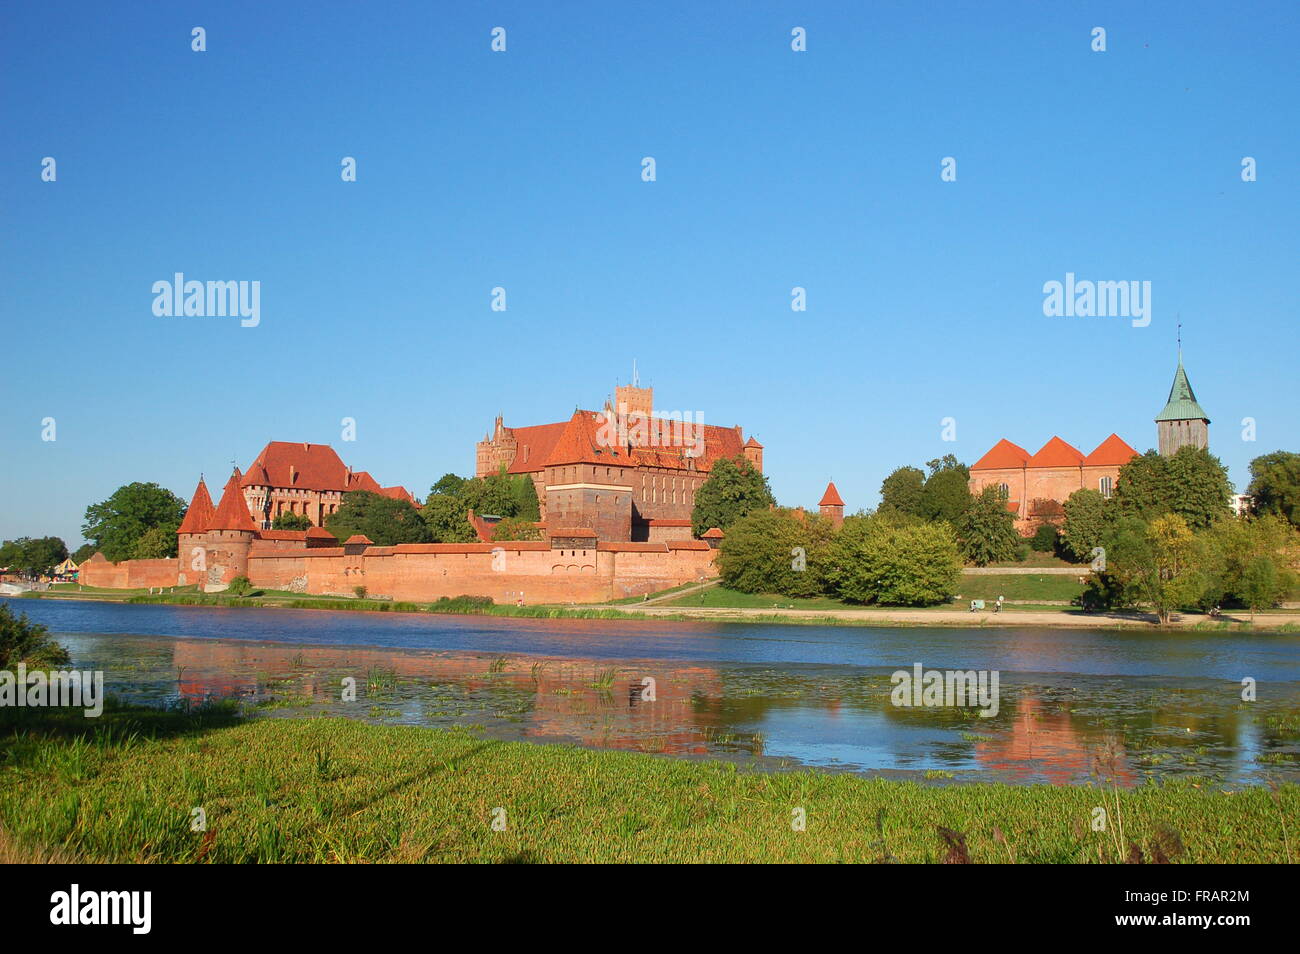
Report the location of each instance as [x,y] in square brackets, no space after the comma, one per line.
[232,512]
[573,532]
[200,511]
[1004,455]
[753,443]
[712,533]
[358,538]
[1110,452]
[1056,453]
[832,497]
[534,445]
[304,466]
[583,441]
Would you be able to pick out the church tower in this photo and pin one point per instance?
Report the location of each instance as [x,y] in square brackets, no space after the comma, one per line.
[1183,422]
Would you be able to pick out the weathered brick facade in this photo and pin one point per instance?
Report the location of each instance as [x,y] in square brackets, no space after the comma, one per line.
[621,471]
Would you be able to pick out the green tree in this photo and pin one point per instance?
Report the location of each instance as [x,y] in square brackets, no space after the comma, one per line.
[524,493]
[239,586]
[1275,485]
[892,563]
[1262,584]
[1228,550]
[734,489]
[988,529]
[291,521]
[444,515]
[900,492]
[1046,538]
[449,484]
[114,525]
[1192,483]
[1155,562]
[82,554]
[776,551]
[494,495]
[33,556]
[156,543]
[22,641]
[516,528]
[384,520]
[1086,523]
[946,493]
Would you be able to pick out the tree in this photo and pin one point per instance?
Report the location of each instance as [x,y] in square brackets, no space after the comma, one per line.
[291,521]
[878,560]
[946,493]
[1155,562]
[156,543]
[1261,584]
[1192,483]
[495,495]
[776,551]
[516,528]
[1228,551]
[384,520]
[1275,485]
[82,554]
[1086,522]
[1045,538]
[22,641]
[444,515]
[33,556]
[900,492]
[449,484]
[734,489]
[114,525]
[988,529]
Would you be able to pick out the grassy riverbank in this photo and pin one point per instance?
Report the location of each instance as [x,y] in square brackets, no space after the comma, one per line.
[123,788]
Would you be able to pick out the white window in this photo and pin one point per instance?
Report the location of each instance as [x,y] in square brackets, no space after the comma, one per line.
[1105,485]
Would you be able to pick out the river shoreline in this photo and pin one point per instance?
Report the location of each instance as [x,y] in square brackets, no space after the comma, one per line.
[865,616]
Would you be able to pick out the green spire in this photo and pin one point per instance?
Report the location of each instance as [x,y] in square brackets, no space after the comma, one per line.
[1182,405]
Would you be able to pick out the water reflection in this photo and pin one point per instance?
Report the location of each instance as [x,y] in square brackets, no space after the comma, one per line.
[1051,728]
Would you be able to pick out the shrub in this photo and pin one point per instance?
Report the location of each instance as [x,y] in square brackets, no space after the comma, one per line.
[876,560]
[1044,538]
[24,641]
[360,592]
[239,586]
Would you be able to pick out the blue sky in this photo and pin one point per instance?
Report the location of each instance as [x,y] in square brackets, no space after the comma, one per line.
[522,169]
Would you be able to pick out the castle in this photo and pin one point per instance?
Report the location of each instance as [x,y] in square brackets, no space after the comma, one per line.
[622,473]
[1037,485]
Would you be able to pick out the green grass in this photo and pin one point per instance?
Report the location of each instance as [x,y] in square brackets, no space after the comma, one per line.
[1020,588]
[123,788]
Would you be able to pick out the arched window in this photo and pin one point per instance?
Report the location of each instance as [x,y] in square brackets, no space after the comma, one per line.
[1005,491]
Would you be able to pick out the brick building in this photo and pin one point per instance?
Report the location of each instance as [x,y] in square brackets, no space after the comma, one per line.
[308,479]
[622,472]
[1036,485]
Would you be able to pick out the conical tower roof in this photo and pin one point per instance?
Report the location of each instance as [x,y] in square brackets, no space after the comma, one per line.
[1182,405]
[232,512]
[200,511]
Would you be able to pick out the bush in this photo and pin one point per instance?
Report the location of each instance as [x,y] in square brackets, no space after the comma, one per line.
[24,641]
[239,586]
[360,592]
[875,560]
[776,551]
[1044,538]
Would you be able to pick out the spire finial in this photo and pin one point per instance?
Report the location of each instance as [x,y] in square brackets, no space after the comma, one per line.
[636,378]
[1180,338]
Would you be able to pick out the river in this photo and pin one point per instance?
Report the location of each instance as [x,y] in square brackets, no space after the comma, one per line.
[1159,704]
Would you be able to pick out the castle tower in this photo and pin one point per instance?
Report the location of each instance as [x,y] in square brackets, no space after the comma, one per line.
[1182,423]
[190,550]
[230,534]
[831,506]
[753,452]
